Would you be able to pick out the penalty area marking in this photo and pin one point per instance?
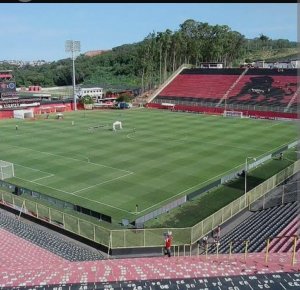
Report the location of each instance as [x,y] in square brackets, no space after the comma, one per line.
[110,180]
[72,193]
[130,212]
[70,158]
[47,176]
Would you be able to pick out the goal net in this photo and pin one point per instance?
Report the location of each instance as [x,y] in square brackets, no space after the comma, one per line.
[235,114]
[22,114]
[6,170]
[117,124]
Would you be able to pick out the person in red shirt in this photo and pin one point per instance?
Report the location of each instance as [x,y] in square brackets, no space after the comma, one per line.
[168,244]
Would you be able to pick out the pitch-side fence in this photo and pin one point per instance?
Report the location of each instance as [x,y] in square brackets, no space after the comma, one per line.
[139,238]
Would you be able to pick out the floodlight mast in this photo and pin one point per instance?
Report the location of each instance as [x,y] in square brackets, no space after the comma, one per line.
[73,46]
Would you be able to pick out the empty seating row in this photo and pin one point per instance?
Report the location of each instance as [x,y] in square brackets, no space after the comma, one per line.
[142,269]
[48,240]
[199,86]
[24,264]
[257,229]
[17,253]
[269,88]
[264,90]
[286,241]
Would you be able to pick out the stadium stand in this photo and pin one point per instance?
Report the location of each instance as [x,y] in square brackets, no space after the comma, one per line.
[286,192]
[256,92]
[199,86]
[17,252]
[37,267]
[265,87]
[32,258]
[285,244]
[54,243]
[257,228]
[201,83]
[275,216]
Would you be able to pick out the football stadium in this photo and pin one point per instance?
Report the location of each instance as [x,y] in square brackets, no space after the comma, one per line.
[192,184]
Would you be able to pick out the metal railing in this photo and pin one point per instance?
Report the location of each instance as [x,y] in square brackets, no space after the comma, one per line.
[139,238]
[167,81]
[236,107]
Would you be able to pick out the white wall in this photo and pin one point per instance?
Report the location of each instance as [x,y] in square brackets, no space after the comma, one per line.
[21,114]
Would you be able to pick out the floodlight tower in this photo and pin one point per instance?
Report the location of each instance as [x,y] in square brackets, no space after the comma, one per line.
[73,46]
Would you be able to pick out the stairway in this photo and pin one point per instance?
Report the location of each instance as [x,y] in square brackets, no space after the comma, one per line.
[169,80]
[293,99]
[231,87]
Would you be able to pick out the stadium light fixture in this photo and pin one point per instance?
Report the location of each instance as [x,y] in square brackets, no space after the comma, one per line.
[73,46]
[246,169]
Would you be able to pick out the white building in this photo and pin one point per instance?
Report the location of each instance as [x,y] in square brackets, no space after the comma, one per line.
[280,64]
[95,92]
[295,63]
[211,65]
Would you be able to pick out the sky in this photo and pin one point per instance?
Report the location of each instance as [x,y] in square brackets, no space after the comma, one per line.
[35,31]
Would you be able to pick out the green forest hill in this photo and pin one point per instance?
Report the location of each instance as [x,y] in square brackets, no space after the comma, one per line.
[149,62]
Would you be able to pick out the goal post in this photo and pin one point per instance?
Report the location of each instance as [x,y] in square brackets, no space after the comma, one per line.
[23,114]
[6,170]
[117,123]
[235,114]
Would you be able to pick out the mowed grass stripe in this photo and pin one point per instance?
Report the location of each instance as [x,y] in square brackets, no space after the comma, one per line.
[64,170]
[169,153]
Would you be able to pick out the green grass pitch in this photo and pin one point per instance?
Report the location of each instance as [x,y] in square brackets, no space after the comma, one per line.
[157,157]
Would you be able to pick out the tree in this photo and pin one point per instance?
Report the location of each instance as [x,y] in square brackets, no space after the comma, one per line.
[264,40]
[86,100]
[166,49]
[124,98]
[146,63]
[159,40]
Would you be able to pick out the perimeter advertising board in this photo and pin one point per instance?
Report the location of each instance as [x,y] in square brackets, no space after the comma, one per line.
[7,86]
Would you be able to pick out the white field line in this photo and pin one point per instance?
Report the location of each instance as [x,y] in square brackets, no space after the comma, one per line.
[197,185]
[71,193]
[31,181]
[131,173]
[31,168]
[273,125]
[48,173]
[62,156]
[43,177]
[222,174]
[110,180]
